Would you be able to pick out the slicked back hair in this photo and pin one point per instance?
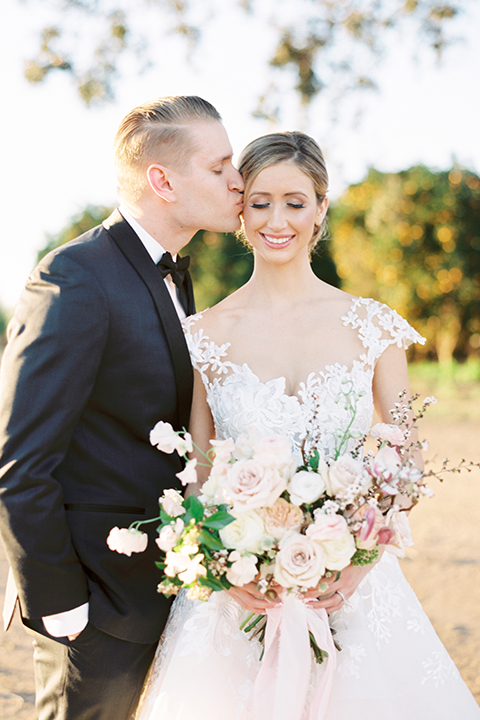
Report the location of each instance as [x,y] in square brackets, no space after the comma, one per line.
[157,132]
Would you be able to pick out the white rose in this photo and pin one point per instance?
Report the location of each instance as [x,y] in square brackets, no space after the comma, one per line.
[172,503]
[343,473]
[188,475]
[243,570]
[305,487]
[250,484]
[338,552]
[246,532]
[127,540]
[299,562]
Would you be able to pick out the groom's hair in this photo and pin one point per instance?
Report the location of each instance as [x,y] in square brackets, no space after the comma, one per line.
[157,132]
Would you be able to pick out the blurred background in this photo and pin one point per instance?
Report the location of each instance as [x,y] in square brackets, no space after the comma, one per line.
[389,88]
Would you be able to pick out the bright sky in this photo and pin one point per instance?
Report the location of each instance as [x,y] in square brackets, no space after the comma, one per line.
[56,154]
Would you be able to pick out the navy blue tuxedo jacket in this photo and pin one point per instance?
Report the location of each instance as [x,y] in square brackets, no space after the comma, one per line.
[96,356]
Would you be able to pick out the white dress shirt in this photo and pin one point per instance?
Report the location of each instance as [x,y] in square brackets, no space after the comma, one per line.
[74,621]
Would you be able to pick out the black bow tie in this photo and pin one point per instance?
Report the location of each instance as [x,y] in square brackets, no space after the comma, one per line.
[177,270]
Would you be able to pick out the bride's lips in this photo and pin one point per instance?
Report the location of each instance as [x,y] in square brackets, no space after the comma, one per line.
[277,241]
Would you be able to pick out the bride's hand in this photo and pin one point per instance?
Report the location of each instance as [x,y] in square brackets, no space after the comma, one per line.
[350,578]
[251,599]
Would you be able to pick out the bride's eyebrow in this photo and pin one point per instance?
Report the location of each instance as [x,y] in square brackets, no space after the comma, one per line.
[267,194]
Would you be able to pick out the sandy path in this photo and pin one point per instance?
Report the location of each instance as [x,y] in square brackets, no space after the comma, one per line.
[443,568]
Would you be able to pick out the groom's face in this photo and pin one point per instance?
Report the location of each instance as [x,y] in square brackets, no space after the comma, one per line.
[209,190]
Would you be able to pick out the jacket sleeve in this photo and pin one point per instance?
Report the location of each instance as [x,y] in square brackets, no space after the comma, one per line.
[55,344]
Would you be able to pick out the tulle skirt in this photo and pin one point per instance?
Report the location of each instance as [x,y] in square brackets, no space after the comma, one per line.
[392,665]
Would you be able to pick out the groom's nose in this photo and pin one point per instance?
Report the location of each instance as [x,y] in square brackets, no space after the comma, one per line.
[236,183]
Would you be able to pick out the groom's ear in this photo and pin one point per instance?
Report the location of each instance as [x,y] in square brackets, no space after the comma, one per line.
[159,180]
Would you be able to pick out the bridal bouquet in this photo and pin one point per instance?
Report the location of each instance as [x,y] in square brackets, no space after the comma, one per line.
[289,524]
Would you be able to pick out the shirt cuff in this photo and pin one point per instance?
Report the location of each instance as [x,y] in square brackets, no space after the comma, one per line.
[67,623]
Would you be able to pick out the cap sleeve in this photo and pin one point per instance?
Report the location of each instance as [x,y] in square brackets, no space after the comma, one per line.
[379,326]
[205,355]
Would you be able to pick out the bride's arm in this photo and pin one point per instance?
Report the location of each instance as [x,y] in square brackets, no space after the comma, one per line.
[202,430]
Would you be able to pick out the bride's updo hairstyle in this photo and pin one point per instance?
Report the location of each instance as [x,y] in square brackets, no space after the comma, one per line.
[295,147]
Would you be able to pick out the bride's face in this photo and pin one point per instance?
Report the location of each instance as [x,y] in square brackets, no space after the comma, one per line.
[280,212]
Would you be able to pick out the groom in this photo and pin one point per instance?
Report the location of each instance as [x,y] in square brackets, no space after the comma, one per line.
[96,356]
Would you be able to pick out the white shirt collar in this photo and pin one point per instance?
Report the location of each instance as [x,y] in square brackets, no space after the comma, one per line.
[154,249]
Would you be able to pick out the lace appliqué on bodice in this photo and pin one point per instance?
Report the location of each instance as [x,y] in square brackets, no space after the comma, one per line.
[239,400]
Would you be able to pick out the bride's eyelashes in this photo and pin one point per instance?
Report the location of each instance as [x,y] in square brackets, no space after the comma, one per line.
[261,206]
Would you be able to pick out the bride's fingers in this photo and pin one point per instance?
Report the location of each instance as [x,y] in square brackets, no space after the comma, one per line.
[251,599]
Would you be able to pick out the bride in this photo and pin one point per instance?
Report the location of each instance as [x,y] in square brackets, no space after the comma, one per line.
[273,357]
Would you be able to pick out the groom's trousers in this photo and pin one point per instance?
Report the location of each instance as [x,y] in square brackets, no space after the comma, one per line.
[95,677]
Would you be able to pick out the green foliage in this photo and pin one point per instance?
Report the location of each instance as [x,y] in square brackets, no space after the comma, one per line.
[92,39]
[412,240]
[3,326]
[89,218]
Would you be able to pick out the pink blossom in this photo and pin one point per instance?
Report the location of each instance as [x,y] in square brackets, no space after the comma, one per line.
[127,541]
[385,464]
[388,433]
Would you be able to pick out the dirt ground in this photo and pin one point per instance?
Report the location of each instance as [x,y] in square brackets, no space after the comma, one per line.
[443,567]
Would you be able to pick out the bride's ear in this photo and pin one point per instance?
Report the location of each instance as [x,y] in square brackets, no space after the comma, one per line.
[159,181]
[321,211]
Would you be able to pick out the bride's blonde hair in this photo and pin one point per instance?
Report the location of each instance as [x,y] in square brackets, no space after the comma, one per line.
[296,147]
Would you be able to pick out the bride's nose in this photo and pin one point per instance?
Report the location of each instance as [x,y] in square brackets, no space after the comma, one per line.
[277,220]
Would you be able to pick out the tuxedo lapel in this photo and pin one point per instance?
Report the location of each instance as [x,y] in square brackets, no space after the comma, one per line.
[134,250]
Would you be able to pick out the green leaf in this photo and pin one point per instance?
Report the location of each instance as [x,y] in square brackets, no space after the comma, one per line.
[214,583]
[314,460]
[209,540]
[219,520]
[194,509]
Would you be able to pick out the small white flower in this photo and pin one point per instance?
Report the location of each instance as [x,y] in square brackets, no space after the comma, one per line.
[188,475]
[127,540]
[164,437]
[243,570]
[430,400]
[172,503]
[169,535]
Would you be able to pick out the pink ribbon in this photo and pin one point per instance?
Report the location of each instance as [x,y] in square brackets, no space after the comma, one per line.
[282,683]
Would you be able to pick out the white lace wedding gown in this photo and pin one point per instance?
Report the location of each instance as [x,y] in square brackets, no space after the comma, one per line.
[392,665]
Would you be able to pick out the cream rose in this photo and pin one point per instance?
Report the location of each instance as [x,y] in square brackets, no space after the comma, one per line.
[299,562]
[282,517]
[250,485]
[305,487]
[337,553]
[246,532]
[343,473]
[243,569]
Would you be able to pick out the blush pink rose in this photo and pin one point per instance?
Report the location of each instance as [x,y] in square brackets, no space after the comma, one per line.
[299,562]
[250,484]
[327,527]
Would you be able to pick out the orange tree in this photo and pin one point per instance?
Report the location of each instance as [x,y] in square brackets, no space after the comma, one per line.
[412,240]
